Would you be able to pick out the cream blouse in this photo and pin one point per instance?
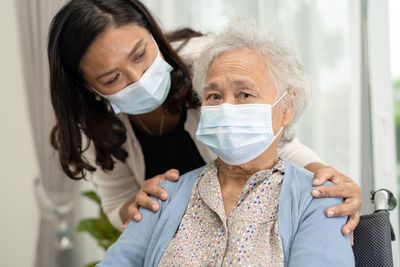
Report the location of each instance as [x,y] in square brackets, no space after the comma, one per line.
[248,237]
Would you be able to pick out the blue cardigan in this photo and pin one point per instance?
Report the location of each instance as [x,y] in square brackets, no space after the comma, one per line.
[309,238]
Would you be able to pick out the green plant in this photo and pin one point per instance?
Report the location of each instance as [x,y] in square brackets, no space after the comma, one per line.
[396,84]
[99,228]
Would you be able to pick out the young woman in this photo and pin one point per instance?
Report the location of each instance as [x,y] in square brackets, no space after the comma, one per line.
[126,110]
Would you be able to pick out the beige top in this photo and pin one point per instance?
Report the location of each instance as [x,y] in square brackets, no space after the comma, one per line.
[248,237]
[120,185]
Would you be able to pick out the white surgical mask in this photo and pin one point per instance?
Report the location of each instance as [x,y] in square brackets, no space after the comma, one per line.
[237,133]
[147,94]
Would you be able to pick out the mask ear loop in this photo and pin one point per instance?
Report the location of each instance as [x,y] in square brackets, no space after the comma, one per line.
[158,49]
[279,132]
[94,89]
[280,98]
[276,102]
[98,96]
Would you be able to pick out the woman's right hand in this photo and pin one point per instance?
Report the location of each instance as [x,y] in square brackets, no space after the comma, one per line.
[149,188]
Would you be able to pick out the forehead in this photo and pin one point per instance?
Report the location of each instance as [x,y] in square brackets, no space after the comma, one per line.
[113,44]
[239,62]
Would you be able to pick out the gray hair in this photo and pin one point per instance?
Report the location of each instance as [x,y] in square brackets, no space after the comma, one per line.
[284,67]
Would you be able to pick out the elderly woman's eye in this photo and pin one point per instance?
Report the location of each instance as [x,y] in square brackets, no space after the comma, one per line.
[213,97]
[245,95]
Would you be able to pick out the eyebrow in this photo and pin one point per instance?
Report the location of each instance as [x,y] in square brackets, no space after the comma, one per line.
[238,84]
[244,84]
[135,47]
[211,86]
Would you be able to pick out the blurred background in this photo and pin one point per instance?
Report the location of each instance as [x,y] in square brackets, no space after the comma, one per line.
[351,51]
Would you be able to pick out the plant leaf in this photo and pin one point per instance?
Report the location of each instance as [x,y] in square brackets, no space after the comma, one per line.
[92,195]
[88,225]
[105,228]
[99,228]
[93,264]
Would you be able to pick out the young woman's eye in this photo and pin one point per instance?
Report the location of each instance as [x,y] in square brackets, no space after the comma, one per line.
[113,79]
[140,55]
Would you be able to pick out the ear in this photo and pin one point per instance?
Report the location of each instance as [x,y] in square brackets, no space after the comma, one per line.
[290,109]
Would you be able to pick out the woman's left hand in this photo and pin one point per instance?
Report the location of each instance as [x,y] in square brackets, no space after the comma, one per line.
[344,187]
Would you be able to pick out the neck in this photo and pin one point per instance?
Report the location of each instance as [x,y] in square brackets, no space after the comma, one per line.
[233,178]
[239,174]
[151,122]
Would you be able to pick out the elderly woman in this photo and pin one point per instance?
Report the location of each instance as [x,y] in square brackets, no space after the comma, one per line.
[249,207]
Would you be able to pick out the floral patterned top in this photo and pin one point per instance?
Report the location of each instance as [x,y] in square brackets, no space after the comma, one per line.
[249,236]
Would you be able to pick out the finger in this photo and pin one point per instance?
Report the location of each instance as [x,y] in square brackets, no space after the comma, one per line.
[351,224]
[328,173]
[158,179]
[344,190]
[125,225]
[349,208]
[322,175]
[143,200]
[155,190]
[172,174]
[352,238]
[133,211]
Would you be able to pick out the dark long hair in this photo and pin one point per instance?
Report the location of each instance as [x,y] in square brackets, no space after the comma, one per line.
[77,111]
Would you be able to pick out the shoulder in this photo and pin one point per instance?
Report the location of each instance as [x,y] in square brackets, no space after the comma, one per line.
[178,193]
[298,184]
[309,237]
[297,180]
[123,117]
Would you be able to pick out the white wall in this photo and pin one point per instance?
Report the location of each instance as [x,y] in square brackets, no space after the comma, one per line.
[18,165]
[382,111]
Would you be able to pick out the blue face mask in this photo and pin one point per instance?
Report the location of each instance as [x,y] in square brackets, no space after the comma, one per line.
[237,133]
[145,95]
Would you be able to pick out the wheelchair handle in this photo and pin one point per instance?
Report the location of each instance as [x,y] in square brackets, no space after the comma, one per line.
[383,200]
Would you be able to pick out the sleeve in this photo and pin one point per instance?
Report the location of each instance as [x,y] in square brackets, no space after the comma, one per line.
[319,240]
[115,188]
[131,247]
[298,153]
